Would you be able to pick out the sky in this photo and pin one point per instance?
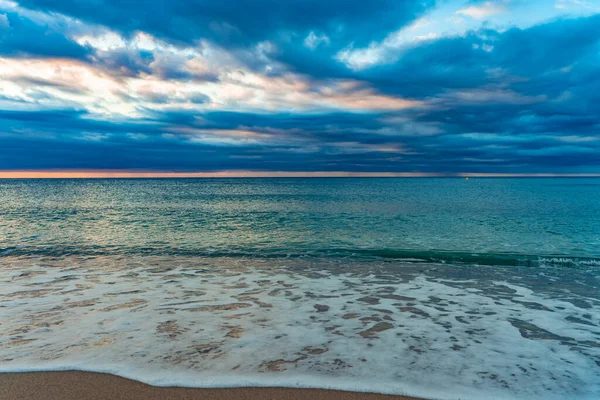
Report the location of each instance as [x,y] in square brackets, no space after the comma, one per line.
[300,86]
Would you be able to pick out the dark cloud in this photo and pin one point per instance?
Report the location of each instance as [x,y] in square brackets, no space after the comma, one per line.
[326,142]
[73,87]
[125,62]
[543,60]
[242,21]
[527,102]
[23,37]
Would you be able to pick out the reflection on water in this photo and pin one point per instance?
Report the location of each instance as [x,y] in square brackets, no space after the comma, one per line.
[423,218]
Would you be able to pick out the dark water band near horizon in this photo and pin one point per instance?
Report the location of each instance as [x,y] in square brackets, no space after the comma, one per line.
[438,288]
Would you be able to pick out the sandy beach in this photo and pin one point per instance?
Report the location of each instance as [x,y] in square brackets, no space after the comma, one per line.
[76,385]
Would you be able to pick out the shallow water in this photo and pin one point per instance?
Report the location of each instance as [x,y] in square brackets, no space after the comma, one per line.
[421,329]
[161,282]
[490,221]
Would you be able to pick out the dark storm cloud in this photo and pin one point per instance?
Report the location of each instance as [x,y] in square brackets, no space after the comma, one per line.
[328,143]
[519,100]
[64,123]
[21,37]
[241,21]
[528,60]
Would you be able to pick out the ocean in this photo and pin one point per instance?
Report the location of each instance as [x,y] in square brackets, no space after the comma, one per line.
[433,287]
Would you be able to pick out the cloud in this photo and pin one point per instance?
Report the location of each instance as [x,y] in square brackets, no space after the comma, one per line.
[300,86]
[4,24]
[577,4]
[22,37]
[390,49]
[239,21]
[313,40]
[447,21]
[483,11]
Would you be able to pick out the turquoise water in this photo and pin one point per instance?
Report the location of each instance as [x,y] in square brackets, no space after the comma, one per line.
[435,288]
[490,221]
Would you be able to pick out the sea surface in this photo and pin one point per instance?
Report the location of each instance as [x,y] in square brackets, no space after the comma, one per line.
[442,288]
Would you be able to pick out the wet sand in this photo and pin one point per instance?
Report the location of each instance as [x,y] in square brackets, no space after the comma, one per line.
[75,385]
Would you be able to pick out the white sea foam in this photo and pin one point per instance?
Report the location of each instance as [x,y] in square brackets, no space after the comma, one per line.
[226,323]
[571,261]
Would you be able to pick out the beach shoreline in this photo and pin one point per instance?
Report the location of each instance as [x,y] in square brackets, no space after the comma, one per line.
[74,385]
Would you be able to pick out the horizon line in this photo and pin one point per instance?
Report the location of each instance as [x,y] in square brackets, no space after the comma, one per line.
[124,174]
